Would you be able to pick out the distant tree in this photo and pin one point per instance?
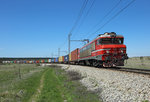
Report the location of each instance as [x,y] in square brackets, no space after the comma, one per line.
[142,61]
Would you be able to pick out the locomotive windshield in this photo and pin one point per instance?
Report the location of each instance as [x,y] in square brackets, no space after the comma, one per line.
[110,41]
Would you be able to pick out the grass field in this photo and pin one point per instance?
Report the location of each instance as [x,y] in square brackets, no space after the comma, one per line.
[31,83]
[138,62]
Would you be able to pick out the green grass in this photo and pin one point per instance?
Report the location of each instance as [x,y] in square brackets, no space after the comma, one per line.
[9,74]
[28,87]
[13,89]
[60,86]
[52,90]
[42,84]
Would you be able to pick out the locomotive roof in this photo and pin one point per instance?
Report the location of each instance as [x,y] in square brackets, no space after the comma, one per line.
[112,34]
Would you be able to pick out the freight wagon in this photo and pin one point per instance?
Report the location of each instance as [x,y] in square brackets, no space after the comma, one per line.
[70,57]
[49,60]
[74,56]
[61,59]
[57,60]
[66,58]
[53,60]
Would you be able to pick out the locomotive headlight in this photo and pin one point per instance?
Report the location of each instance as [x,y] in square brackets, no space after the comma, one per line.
[121,51]
[107,51]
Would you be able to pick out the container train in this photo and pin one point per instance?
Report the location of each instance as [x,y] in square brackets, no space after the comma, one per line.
[107,50]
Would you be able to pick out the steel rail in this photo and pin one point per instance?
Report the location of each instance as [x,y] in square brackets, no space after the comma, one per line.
[132,70]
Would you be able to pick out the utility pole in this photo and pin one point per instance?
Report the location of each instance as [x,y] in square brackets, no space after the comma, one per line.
[52,55]
[69,35]
[69,43]
[58,52]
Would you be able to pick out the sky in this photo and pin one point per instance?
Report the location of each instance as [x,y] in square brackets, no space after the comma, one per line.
[37,28]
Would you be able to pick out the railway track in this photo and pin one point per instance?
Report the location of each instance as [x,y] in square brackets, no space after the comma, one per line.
[132,70]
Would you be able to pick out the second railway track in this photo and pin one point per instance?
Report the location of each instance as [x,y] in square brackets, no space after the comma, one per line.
[132,70]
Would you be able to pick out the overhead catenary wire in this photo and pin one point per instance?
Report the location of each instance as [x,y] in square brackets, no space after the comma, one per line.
[104,17]
[77,20]
[79,15]
[120,11]
[85,16]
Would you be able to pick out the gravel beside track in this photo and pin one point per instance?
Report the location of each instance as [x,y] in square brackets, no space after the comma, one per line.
[114,86]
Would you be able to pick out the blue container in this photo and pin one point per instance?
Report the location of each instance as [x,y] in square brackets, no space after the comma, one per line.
[24,61]
[56,59]
[66,58]
[52,60]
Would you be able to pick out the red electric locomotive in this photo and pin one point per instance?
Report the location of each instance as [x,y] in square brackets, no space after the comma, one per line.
[106,50]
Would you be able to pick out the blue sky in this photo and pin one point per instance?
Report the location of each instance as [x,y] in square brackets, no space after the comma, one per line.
[37,28]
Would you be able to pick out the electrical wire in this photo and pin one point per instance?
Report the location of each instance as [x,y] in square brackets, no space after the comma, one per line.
[77,20]
[111,10]
[107,14]
[79,15]
[112,17]
[120,11]
[85,16]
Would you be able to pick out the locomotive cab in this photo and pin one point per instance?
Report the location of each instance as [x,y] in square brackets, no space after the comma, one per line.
[113,51]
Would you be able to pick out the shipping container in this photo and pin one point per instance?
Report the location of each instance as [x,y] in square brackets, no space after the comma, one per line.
[46,60]
[74,55]
[52,60]
[70,57]
[60,58]
[37,61]
[66,58]
[49,60]
[63,58]
[56,59]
